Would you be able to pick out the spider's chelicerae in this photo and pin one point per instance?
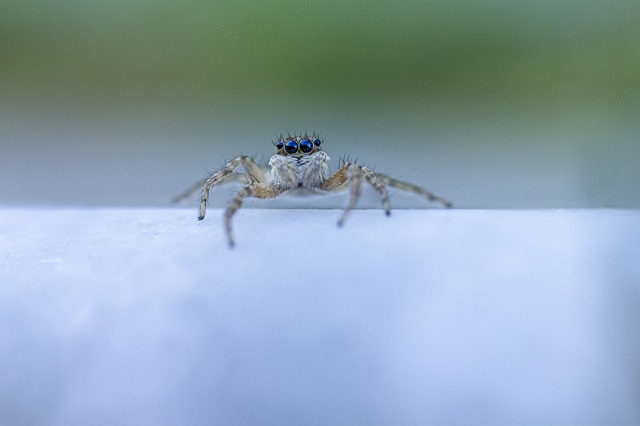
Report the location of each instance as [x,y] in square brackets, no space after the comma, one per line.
[299,164]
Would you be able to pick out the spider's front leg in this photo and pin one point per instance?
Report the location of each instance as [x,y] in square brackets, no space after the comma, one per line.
[350,176]
[253,170]
[253,189]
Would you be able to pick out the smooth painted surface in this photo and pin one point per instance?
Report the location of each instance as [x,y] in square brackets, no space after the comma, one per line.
[450,317]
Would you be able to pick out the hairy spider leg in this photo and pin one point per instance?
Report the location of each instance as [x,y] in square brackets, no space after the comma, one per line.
[350,175]
[373,180]
[354,180]
[254,189]
[253,170]
[192,190]
[409,187]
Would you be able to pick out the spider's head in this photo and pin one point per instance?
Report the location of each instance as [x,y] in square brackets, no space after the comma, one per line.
[297,145]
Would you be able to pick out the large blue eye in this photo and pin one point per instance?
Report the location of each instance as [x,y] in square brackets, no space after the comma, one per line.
[317,142]
[306,145]
[279,144]
[291,147]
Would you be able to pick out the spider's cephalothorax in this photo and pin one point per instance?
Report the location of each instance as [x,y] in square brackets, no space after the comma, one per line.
[299,164]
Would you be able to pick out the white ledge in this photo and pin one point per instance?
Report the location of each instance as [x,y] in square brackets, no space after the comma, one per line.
[431,316]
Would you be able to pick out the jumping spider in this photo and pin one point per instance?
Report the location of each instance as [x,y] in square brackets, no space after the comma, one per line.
[299,164]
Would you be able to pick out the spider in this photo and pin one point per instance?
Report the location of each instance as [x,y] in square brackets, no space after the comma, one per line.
[299,165]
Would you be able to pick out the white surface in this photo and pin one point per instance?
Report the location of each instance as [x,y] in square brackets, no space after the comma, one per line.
[431,316]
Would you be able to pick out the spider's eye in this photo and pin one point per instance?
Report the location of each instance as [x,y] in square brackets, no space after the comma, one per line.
[317,142]
[306,145]
[279,144]
[291,147]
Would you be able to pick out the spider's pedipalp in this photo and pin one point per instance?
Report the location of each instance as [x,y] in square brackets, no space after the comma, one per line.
[282,172]
[315,172]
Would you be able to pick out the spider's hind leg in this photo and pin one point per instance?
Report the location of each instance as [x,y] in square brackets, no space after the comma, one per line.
[409,187]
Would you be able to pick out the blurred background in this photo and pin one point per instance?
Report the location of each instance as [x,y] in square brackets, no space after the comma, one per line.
[493,104]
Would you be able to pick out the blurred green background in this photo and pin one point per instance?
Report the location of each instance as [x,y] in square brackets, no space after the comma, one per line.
[493,104]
